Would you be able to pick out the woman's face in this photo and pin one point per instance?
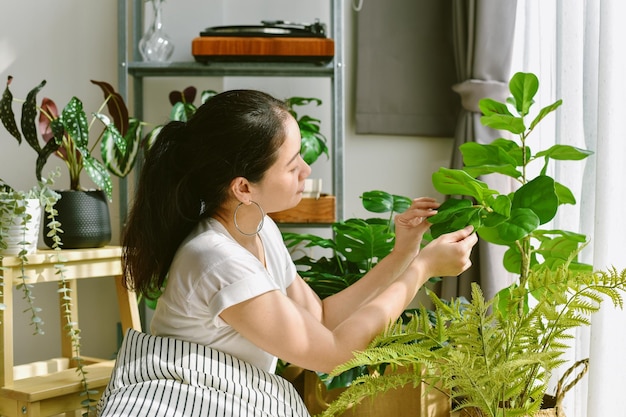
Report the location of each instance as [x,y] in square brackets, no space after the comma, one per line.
[282,185]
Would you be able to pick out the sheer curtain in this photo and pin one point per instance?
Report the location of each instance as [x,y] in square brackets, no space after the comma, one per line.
[576,49]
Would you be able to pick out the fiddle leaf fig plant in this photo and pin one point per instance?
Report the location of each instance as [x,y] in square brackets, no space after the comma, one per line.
[513,219]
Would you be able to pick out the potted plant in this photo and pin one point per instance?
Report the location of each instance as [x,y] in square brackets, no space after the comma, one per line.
[84,212]
[495,357]
[16,216]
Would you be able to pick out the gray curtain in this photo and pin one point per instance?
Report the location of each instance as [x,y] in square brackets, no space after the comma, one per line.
[405,68]
[483,39]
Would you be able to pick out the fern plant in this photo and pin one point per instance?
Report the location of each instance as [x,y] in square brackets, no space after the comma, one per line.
[496,363]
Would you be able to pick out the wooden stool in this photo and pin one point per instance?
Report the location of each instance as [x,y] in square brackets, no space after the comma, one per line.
[58,392]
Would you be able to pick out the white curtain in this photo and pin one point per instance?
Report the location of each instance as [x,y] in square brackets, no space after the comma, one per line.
[576,48]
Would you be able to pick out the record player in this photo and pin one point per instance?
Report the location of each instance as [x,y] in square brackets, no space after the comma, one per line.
[271,41]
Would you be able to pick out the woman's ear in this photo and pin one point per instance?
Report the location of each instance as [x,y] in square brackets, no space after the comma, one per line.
[240,187]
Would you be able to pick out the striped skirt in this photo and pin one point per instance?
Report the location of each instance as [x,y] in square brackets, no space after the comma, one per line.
[160,376]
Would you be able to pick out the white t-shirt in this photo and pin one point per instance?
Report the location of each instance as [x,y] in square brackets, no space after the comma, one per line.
[211,272]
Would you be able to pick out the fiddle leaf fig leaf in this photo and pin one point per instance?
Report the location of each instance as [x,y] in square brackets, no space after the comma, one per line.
[497,115]
[565,153]
[564,194]
[454,214]
[482,159]
[523,87]
[544,112]
[540,196]
[521,222]
[458,182]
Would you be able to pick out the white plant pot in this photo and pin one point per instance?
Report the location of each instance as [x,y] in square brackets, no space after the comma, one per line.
[15,232]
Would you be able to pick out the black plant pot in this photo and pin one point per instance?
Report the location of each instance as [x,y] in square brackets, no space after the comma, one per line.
[84,218]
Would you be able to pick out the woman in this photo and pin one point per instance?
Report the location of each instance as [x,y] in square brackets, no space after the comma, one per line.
[233,296]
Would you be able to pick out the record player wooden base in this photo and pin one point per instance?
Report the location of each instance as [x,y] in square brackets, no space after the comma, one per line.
[259,49]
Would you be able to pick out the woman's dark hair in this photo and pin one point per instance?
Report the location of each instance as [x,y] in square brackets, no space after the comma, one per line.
[186,175]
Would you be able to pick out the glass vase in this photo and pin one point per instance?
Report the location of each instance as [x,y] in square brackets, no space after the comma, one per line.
[155,45]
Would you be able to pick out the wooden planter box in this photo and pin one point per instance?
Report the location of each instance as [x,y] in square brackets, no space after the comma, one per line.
[310,210]
[408,401]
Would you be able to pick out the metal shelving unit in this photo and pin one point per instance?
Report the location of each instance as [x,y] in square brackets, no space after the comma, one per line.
[130,30]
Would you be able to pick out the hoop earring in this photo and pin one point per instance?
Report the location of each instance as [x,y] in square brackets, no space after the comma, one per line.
[259,227]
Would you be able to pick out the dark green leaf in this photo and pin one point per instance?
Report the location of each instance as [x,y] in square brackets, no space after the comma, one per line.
[6,112]
[377,201]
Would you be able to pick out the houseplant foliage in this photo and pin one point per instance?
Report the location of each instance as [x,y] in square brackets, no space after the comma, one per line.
[13,202]
[119,138]
[495,357]
[12,208]
[313,141]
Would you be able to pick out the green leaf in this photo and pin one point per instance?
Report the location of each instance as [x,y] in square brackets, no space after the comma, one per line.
[74,121]
[401,203]
[454,214]
[539,195]
[377,201]
[119,154]
[482,159]
[523,87]
[6,112]
[98,174]
[504,122]
[182,111]
[565,153]
[359,240]
[458,182]
[564,194]
[544,112]
[522,222]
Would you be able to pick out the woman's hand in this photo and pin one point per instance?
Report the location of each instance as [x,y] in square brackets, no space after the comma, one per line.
[411,225]
[449,254]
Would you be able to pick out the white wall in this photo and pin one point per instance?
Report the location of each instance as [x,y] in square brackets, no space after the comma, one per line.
[69,42]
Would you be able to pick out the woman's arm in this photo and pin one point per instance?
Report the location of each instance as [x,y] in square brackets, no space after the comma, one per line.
[410,226]
[277,324]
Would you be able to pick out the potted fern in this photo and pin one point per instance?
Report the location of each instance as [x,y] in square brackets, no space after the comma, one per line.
[495,357]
